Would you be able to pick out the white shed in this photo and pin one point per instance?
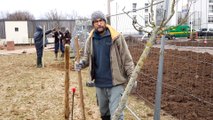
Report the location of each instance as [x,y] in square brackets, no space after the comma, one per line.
[17,31]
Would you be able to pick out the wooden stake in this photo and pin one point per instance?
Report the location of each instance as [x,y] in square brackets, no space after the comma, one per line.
[80,79]
[67,78]
[73,94]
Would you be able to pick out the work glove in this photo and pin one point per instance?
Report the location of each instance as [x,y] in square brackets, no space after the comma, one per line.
[79,66]
[90,84]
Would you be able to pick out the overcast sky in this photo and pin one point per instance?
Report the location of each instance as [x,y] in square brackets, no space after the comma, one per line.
[39,7]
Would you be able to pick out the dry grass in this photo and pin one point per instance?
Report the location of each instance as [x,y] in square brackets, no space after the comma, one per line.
[32,93]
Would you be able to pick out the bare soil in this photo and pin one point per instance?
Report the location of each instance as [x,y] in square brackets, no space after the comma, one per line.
[187,80]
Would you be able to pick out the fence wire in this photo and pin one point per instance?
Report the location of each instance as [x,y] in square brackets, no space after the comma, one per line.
[187,77]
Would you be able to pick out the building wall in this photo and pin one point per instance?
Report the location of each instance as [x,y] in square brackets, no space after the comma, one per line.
[21,32]
[2,29]
[16,31]
[123,23]
[119,22]
[201,6]
[210,14]
[199,14]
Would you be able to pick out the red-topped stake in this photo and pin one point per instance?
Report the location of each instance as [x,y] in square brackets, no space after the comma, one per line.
[73,90]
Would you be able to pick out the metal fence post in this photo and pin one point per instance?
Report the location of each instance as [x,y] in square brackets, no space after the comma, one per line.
[160,70]
[159,82]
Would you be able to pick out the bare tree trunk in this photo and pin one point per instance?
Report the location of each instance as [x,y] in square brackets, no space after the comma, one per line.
[135,73]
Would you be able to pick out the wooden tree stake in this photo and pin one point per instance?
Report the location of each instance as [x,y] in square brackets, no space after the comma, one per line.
[67,78]
[80,79]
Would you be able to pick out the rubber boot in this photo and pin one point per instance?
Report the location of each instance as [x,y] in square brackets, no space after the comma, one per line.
[62,55]
[56,56]
[105,117]
[39,62]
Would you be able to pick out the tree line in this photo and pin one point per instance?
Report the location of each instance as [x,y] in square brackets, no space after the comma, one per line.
[51,15]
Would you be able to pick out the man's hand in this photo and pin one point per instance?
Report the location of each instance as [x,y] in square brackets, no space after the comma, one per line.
[90,84]
[78,66]
[54,29]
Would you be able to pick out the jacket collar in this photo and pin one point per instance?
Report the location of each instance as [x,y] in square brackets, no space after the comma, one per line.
[113,32]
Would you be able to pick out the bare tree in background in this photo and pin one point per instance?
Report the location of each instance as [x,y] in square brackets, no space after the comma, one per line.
[20,15]
[54,15]
[73,15]
[3,15]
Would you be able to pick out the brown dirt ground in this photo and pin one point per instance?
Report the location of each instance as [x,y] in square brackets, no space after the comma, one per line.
[180,67]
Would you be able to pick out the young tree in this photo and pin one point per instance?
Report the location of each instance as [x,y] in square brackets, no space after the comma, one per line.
[156,29]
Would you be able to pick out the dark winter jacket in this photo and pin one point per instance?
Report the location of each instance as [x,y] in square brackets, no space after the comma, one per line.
[58,35]
[122,64]
[67,37]
[38,37]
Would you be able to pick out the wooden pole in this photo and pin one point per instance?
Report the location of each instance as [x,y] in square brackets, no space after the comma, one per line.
[67,78]
[73,94]
[80,79]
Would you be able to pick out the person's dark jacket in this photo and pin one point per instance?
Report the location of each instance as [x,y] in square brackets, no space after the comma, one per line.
[38,37]
[58,35]
[67,37]
[55,35]
[122,64]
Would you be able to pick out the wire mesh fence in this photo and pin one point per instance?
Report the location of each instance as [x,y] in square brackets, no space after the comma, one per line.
[187,77]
